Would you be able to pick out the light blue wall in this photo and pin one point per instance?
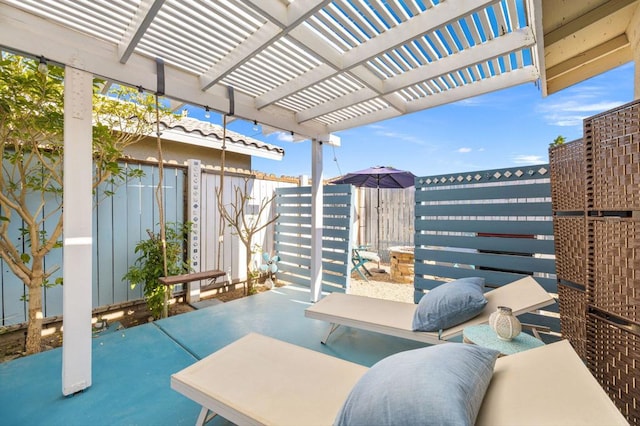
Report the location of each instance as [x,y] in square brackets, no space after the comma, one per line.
[120,222]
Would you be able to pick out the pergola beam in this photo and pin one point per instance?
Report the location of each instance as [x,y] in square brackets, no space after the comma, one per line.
[286,18]
[24,32]
[145,14]
[494,48]
[422,24]
[487,85]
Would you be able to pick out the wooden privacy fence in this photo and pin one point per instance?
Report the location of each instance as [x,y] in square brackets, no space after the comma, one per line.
[387,226]
[293,236]
[122,220]
[232,253]
[494,224]
[119,222]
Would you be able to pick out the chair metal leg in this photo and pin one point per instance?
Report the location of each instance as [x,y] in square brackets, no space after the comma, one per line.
[205,416]
[356,267]
[331,329]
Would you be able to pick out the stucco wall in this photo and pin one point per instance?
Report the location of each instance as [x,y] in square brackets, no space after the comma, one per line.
[181,152]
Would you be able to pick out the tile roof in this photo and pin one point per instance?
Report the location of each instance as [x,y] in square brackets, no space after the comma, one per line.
[208,130]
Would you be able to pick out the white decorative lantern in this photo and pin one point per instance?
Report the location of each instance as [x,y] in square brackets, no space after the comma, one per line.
[504,323]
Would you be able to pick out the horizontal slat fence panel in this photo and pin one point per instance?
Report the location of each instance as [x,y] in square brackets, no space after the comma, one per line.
[496,224]
[519,245]
[490,260]
[533,209]
[505,227]
[293,235]
[434,277]
[475,191]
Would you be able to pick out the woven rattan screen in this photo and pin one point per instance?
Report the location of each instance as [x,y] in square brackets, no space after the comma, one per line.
[598,248]
[615,287]
[570,236]
[613,356]
[568,177]
[614,146]
[573,320]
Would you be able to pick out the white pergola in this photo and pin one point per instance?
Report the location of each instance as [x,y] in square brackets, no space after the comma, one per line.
[306,67]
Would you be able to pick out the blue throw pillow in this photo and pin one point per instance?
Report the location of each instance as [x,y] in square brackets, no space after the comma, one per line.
[450,304]
[436,385]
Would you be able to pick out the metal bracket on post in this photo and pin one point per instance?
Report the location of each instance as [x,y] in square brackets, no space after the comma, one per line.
[159,77]
[232,100]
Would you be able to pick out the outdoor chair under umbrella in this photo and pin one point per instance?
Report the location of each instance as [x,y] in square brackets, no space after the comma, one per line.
[378,177]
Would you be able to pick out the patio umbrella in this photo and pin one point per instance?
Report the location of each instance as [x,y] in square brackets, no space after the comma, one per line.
[378,177]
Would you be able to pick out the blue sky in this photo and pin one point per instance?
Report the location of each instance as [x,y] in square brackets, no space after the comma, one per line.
[512,127]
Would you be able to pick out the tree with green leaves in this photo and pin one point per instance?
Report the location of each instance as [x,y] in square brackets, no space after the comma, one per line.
[559,140]
[31,182]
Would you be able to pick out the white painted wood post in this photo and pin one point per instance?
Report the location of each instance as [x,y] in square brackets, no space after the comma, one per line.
[194,216]
[633,34]
[353,236]
[317,193]
[78,243]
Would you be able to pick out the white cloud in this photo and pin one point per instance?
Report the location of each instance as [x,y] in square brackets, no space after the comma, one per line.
[398,136]
[464,150]
[574,107]
[528,159]
[285,137]
[472,102]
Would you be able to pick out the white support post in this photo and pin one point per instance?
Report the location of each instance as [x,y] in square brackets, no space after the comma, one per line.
[353,235]
[316,220]
[78,242]
[633,34]
[194,202]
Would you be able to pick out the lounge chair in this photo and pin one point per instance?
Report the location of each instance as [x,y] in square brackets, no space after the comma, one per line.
[395,318]
[261,380]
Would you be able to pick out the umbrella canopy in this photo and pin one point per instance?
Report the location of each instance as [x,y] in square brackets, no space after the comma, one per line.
[378,177]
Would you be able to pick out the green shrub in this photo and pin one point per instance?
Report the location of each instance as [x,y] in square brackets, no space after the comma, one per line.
[149,266]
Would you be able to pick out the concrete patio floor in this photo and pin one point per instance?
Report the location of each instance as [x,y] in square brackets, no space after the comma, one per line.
[132,367]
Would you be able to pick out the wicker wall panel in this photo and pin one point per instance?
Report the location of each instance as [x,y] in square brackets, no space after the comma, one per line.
[570,241]
[573,320]
[568,176]
[613,356]
[615,151]
[615,283]
[607,244]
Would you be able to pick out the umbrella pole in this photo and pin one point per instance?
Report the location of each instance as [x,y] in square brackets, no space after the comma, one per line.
[378,269]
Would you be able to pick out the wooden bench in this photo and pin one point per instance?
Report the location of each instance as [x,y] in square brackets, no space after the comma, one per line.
[195,276]
[211,275]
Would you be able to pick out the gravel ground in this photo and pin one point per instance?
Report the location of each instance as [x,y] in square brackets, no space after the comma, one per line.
[381,286]
[383,290]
